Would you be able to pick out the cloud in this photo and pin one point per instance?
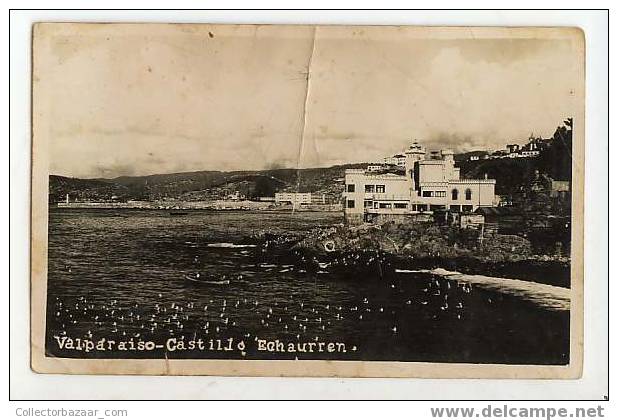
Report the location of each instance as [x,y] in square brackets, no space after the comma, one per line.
[167,99]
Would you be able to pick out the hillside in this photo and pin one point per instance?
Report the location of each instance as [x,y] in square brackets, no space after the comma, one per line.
[509,174]
[60,186]
[202,185]
[513,175]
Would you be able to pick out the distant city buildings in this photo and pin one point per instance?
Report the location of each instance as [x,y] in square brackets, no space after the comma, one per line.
[431,183]
[397,160]
[235,196]
[375,167]
[532,149]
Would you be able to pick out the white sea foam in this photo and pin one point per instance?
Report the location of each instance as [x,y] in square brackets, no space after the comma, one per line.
[545,295]
[229,245]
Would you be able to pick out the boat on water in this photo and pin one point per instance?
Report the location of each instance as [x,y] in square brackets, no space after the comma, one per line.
[206,280]
[178,213]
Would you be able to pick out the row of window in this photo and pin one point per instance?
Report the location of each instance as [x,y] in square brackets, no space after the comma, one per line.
[415,207]
[454,194]
[381,189]
[375,188]
[368,188]
[377,205]
[433,207]
[434,193]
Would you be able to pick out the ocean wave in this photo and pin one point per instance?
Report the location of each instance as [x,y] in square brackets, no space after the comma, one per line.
[229,245]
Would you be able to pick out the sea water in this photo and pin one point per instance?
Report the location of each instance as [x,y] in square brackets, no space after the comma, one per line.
[117,287]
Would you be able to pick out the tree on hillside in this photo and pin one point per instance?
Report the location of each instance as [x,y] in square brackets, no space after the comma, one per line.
[264,187]
[510,174]
[556,159]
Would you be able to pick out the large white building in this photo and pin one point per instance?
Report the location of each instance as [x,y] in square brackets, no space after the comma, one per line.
[296,199]
[431,182]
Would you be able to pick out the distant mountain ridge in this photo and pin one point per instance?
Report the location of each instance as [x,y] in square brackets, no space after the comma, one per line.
[201,185]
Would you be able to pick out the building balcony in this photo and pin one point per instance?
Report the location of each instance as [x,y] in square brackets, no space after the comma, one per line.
[386,197]
[371,210]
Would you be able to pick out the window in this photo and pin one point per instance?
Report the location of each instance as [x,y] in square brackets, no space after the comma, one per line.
[401,205]
[466,208]
[380,189]
[440,194]
[454,195]
[385,205]
[368,204]
[369,188]
[468,194]
[427,193]
[350,204]
[351,188]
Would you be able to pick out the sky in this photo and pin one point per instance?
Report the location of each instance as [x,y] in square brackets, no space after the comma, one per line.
[143,99]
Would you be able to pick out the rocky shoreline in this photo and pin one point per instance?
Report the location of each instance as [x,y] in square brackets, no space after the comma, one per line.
[381,249]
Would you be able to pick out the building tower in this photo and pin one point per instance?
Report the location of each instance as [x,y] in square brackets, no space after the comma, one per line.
[415,153]
[449,164]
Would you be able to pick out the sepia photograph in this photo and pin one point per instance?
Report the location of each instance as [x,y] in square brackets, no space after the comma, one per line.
[300,200]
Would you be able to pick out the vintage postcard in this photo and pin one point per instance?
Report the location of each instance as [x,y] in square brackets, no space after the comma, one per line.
[288,200]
